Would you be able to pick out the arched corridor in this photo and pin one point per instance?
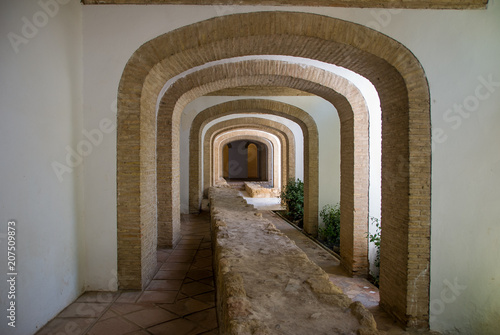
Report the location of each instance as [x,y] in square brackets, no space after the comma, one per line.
[270,155]
[117,115]
[394,97]
[283,133]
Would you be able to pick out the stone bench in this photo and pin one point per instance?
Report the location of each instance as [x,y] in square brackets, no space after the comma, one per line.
[266,284]
[257,191]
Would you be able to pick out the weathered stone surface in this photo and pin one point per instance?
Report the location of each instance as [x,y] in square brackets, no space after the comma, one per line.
[205,205]
[322,285]
[267,285]
[363,315]
[257,191]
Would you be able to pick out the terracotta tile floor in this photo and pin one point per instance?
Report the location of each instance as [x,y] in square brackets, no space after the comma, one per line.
[181,297]
[179,300]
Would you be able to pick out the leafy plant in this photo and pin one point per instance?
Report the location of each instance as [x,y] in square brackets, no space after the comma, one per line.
[292,196]
[331,231]
[375,238]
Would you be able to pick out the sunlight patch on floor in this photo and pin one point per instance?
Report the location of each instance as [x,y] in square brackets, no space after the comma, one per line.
[269,204]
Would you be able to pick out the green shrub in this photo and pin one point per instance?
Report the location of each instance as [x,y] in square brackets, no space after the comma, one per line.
[292,197]
[330,234]
[375,238]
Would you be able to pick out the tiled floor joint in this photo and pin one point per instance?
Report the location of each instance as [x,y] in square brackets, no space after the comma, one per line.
[179,300]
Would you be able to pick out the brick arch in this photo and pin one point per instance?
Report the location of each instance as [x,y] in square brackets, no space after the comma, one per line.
[267,73]
[272,145]
[245,106]
[257,106]
[406,156]
[284,134]
[343,95]
[213,133]
[266,140]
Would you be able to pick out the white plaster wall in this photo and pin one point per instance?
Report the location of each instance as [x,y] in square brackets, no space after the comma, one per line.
[40,105]
[110,37]
[455,48]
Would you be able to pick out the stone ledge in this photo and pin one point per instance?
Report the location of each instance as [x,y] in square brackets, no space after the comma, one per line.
[257,191]
[266,284]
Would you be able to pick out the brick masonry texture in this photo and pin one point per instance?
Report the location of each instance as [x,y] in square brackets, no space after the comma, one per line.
[259,91]
[148,171]
[215,146]
[282,142]
[197,190]
[329,86]
[259,106]
[244,134]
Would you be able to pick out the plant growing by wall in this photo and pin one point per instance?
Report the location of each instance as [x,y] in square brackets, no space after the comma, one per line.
[292,197]
[330,233]
[375,238]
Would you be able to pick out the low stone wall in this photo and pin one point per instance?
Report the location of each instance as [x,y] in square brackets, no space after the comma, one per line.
[257,191]
[266,284]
